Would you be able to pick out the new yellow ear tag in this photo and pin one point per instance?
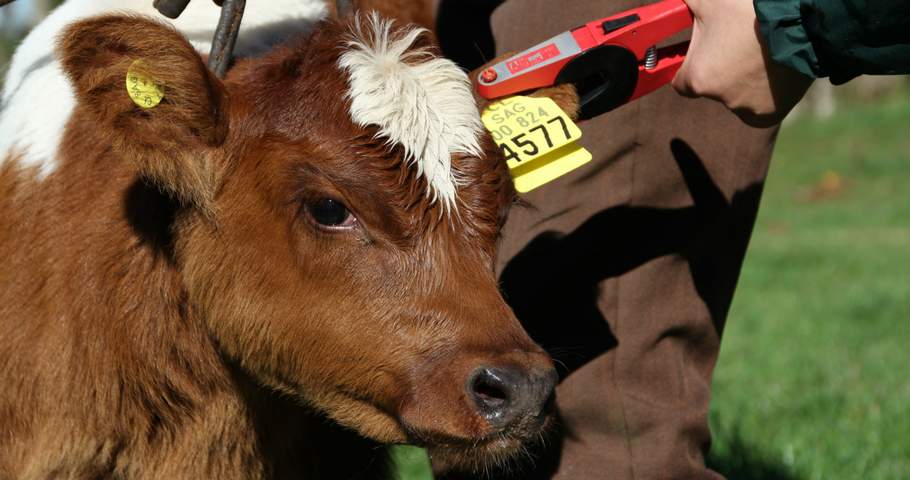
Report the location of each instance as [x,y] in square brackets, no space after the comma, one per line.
[537,138]
[143,89]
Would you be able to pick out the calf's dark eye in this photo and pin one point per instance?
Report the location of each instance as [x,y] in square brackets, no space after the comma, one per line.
[329,212]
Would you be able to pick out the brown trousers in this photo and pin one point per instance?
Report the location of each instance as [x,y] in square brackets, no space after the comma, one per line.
[626,268]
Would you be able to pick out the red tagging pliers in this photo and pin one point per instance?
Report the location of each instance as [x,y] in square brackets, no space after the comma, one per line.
[611,61]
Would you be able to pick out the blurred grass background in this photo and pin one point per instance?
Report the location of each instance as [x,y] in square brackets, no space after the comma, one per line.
[812,381]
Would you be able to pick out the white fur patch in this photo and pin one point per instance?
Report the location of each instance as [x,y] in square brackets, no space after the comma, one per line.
[417,100]
[37,99]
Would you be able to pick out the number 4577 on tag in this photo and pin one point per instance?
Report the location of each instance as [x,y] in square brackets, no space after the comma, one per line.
[537,138]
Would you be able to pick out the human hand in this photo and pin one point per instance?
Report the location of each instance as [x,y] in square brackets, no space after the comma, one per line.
[728,61]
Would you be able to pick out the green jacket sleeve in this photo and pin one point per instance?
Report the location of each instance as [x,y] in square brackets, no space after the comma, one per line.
[837,38]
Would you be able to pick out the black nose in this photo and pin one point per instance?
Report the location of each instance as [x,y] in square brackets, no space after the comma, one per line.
[509,397]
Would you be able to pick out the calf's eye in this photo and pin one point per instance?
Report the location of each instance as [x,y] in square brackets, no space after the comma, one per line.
[331,213]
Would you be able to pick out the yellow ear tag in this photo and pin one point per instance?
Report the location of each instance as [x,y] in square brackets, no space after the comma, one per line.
[144,90]
[537,138]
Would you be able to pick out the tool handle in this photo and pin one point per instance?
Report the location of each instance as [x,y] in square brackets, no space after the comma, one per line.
[654,23]
[668,63]
[635,30]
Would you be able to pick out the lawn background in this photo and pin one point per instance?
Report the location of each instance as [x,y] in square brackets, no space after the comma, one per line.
[813,380]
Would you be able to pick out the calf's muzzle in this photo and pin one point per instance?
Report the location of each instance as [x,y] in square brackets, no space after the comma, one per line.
[510,399]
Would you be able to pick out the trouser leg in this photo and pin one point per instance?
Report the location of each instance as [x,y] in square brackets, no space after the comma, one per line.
[625,273]
[626,267]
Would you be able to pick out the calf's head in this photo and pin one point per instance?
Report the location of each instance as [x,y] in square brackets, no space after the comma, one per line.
[340,211]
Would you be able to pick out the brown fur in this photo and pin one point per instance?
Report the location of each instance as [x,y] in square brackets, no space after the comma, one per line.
[169,309]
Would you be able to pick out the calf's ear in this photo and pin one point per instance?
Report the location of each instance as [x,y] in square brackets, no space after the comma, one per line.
[563,94]
[172,143]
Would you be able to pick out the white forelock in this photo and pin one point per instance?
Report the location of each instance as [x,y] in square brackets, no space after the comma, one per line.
[418,100]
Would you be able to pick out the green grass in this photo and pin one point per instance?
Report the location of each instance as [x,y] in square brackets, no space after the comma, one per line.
[412,463]
[813,380]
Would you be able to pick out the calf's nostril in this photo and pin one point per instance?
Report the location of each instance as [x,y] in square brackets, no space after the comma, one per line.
[508,396]
[489,393]
[492,396]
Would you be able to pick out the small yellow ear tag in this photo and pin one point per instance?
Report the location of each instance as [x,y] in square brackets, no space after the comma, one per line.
[537,138]
[144,90]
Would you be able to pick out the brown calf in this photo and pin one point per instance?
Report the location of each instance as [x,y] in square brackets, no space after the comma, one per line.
[196,283]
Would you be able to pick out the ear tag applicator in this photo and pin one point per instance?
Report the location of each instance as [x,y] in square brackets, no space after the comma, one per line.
[143,89]
[537,138]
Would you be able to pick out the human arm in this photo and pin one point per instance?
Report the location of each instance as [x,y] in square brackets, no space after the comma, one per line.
[838,39]
[759,60]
